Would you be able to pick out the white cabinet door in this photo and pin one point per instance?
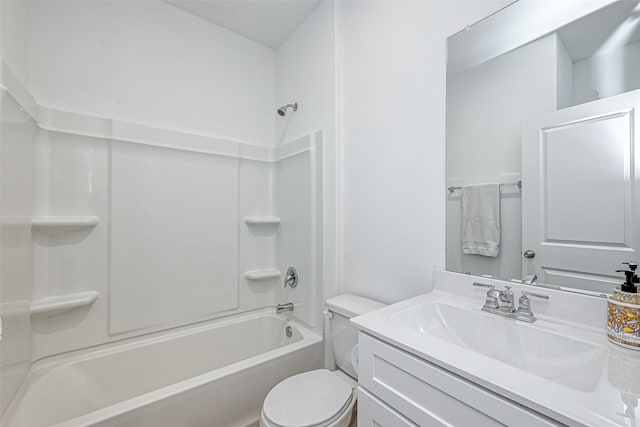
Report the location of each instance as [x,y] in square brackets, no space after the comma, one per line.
[581,193]
[373,413]
[430,396]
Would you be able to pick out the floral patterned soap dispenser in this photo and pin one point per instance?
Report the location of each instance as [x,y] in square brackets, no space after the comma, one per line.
[623,311]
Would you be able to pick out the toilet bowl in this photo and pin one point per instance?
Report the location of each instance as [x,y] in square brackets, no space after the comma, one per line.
[322,398]
[319,398]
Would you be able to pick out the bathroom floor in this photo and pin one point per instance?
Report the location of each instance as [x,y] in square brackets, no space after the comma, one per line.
[354,417]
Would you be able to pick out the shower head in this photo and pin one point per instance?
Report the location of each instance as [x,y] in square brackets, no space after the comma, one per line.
[282,111]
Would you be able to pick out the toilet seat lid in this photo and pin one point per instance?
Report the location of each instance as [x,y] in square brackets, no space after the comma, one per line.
[309,399]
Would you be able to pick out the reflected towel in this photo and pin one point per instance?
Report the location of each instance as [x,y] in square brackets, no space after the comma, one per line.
[481,219]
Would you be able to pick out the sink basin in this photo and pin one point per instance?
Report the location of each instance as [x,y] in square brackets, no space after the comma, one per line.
[564,360]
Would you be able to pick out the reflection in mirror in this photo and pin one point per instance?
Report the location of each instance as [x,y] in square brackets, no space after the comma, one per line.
[545,94]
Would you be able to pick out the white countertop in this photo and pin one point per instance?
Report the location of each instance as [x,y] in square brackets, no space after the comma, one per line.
[583,318]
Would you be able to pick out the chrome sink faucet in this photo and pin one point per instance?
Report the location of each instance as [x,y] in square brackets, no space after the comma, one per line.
[498,300]
[502,302]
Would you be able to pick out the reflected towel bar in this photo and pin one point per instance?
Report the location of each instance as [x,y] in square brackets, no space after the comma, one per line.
[518,183]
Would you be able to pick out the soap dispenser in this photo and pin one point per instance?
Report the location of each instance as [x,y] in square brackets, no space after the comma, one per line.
[623,311]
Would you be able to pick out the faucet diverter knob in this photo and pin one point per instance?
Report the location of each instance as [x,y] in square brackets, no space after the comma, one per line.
[291,278]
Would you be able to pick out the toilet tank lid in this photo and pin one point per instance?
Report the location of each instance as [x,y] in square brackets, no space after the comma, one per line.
[350,305]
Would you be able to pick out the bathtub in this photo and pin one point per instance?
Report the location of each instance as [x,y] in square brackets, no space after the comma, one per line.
[213,374]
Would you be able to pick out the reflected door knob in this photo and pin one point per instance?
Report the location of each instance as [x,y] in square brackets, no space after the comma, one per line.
[529,254]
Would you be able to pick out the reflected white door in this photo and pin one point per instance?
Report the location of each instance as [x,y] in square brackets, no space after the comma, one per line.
[581,193]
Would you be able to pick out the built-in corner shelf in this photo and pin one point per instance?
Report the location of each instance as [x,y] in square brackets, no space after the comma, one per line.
[262,220]
[263,274]
[63,223]
[49,306]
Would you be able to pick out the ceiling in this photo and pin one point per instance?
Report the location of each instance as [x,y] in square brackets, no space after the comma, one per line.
[584,37]
[268,22]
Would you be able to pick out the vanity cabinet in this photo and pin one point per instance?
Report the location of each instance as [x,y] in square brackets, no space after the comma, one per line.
[374,413]
[399,389]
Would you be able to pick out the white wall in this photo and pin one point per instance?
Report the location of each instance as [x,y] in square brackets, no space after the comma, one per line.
[305,73]
[151,63]
[393,75]
[485,108]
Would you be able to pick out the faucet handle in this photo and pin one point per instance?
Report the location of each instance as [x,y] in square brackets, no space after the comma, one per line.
[533,294]
[491,301]
[524,312]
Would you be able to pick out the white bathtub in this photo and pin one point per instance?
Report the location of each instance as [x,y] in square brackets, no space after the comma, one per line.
[213,374]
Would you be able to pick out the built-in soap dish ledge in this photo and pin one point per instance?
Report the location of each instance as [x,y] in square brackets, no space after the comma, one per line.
[49,306]
[56,224]
[262,274]
[262,220]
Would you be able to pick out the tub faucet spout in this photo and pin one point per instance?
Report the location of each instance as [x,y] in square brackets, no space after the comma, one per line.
[281,308]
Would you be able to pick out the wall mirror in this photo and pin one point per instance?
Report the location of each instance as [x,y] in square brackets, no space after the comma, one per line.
[543,158]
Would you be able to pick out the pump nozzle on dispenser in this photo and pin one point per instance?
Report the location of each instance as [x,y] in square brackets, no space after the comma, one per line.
[633,266]
[628,285]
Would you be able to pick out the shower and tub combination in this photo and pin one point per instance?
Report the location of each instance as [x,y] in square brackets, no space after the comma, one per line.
[215,373]
[149,269]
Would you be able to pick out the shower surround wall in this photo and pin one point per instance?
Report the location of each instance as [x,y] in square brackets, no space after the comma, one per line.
[171,246]
[153,204]
[299,204]
[17,131]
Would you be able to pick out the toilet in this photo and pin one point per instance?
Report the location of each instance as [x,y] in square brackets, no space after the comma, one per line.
[323,398]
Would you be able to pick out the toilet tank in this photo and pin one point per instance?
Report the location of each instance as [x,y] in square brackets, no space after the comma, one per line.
[342,334]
